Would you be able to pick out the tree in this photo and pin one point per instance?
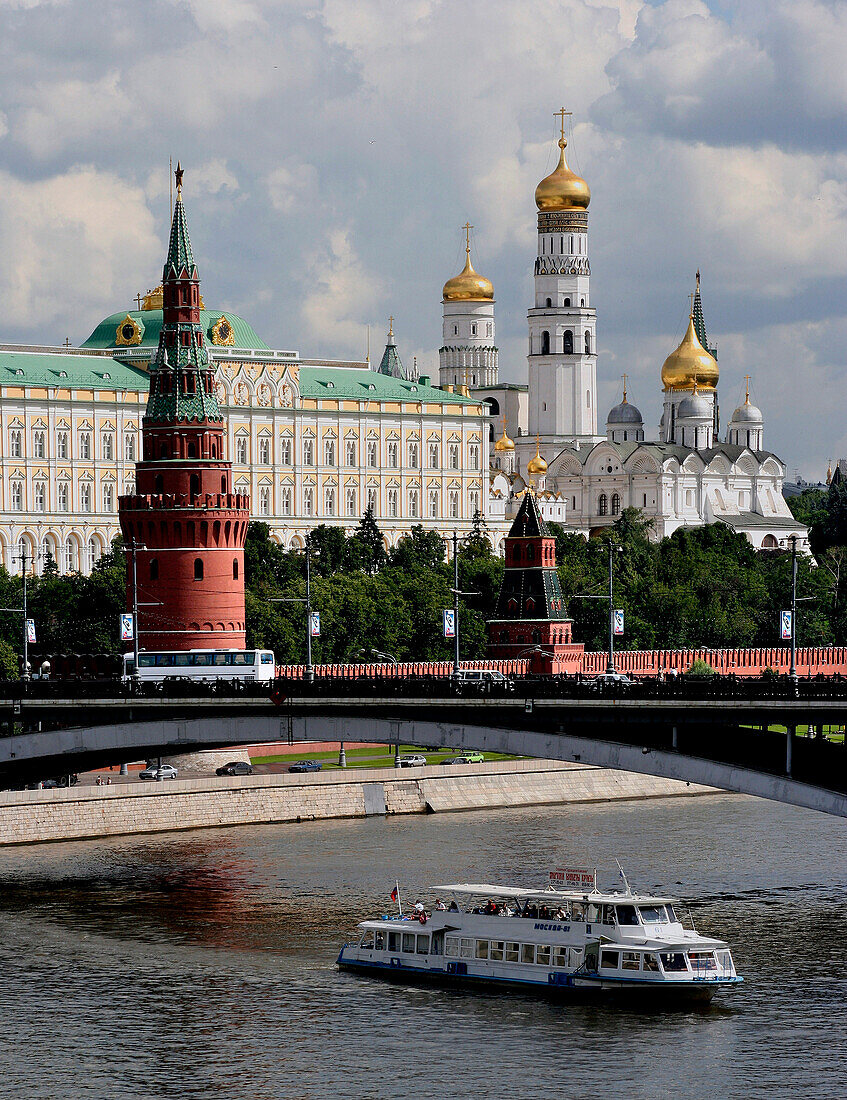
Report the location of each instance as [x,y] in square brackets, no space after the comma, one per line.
[419,549]
[367,546]
[328,546]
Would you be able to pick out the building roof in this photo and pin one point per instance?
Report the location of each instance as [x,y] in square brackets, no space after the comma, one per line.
[742,520]
[390,364]
[700,323]
[360,385]
[86,372]
[528,523]
[149,322]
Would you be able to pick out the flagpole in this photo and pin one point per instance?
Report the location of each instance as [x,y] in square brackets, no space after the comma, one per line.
[399,903]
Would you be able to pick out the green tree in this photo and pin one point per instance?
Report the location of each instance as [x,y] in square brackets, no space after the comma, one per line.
[419,549]
[367,546]
[328,546]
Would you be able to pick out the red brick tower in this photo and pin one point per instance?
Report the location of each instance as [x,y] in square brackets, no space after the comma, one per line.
[530,613]
[184,513]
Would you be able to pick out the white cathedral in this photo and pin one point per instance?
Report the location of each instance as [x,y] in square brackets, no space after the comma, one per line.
[548,429]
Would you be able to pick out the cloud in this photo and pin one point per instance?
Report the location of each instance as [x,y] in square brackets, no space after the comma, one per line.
[340,293]
[78,245]
[292,185]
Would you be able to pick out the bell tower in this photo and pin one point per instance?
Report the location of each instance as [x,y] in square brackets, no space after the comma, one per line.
[186,519]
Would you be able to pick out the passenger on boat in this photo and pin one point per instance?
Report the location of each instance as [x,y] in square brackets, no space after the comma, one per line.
[490,907]
[454,908]
[440,906]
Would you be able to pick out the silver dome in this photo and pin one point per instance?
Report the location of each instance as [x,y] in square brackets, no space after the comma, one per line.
[694,407]
[747,414]
[624,413]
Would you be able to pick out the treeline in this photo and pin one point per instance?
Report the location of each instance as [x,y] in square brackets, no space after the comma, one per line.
[703,586]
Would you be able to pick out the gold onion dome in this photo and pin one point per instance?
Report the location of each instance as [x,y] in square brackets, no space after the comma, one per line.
[536,465]
[562,189]
[504,443]
[690,364]
[468,285]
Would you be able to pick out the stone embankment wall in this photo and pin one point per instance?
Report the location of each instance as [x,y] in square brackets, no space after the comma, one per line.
[28,817]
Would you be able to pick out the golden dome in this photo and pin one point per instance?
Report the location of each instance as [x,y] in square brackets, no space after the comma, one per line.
[504,443]
[562,189]
[690,364]
[536,465]
[468,285]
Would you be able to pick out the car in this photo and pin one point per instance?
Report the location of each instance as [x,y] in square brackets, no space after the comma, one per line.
[483,679]
[413,761]
[235,767]
[306,766]
[610,679]
[154,771]
[468,758]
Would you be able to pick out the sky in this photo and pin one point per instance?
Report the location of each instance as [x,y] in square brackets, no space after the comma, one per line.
[333,148]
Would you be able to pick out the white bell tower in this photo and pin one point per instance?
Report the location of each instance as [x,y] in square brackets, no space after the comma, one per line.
[562,323]
[468,355]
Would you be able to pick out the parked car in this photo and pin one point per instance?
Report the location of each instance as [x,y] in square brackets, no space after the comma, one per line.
[468,758]
[610,679]
[235,767]
[306,766]
[413,761]
[166,771]
[483,679]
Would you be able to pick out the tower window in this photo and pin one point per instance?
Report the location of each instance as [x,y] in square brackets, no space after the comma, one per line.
[198,569]
[567,342]
[195,484]
[154,569]
[473,330]
[235,569]
[549,302]
[567,302]
[455,330]
[545,343]
[587,343]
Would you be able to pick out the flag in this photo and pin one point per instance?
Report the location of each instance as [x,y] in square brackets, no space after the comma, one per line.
[394,894]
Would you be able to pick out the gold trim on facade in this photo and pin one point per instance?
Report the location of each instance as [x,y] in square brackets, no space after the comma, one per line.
[222,332]
[124,338]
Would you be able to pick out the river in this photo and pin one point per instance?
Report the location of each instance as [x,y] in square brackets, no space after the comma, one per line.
[201,964]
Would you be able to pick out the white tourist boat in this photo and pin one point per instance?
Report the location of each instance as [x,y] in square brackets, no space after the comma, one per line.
[564,939]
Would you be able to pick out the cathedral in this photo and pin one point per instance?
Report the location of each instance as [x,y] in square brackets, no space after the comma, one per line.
[546,432]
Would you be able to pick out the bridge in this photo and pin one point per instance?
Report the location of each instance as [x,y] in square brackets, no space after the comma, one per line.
[715,733]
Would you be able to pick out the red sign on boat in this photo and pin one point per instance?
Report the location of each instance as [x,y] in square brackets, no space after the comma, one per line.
[572,878]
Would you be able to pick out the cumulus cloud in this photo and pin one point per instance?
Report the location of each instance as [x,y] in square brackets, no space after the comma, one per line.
[292,185]
[341,291]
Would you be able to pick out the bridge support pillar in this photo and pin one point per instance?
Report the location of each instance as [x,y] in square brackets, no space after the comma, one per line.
[789,748]
[675,738]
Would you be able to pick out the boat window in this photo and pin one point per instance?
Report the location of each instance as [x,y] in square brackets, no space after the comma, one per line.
[393,941]
[577,912]
[527,952]
[725,961]
[512,950]
[451,946]
[631,960]
[592,913]
[496,951]
[423,945]
[653,914]
[409,943]
[650,962]
[576,954]
[608,914]
[673,960]
[560,956]
[672,916]
[702,960]
[542,954]
[367,940]
[482,949]
[626,914]
[610,959]
[467,949]
[379,941]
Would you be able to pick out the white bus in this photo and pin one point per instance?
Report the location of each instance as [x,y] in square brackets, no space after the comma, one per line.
[201,664]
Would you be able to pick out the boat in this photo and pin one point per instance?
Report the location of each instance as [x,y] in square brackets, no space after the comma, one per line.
[564,939]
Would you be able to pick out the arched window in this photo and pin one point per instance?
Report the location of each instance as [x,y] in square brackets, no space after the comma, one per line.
[566,302]
[549,302]
[198,569]
[192,450]
[154,569]
[223,484]
[587,342]
[616,504]
[195,484]
[602,505]
[235,569]
[545,342]
[567,342]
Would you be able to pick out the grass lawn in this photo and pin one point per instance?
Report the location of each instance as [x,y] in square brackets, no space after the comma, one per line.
[831,733]
[377,756]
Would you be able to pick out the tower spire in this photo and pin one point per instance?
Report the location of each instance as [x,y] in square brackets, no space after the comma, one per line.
[699,322]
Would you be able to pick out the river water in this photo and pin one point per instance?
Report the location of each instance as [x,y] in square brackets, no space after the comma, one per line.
[201,964]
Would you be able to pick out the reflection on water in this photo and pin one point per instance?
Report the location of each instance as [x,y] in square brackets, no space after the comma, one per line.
[202,964]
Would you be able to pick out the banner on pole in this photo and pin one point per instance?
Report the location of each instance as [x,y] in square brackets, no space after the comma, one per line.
[785,625]
[127,626]
[449,622]
[30,630]
[315,624]
[617,620]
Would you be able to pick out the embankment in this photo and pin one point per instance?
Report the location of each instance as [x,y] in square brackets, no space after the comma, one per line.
[29,817]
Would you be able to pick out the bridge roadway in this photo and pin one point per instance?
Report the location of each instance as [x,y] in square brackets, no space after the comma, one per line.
[712,734]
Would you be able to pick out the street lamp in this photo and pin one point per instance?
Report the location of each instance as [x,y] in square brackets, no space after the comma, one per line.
[794,601]
[610,664]
[23,557]
[309,672]
[457,592]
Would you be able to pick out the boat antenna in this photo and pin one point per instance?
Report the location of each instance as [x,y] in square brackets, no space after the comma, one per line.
[623,876]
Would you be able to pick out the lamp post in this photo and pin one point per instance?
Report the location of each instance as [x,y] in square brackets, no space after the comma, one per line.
[610,663]
[457,592]
[309,671]
[23,557]
[793,670]
[133,549]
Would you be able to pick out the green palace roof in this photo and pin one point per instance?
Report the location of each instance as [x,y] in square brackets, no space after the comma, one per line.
[361,385]
[149,322]
[82,372]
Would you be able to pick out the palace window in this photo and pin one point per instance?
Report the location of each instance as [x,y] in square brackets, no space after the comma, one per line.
[372,500]
[350,452]
[309,502]
[413,503]
[62,444]
[241,450]
[285,451]
[107,446]
[454,504]
[329,452]
[38,444]
[108,498]
[393,455]
[308,452]
[93,552]
[264,501]
[15,443]
[393,503]
[372,453]
[85,445]
[616,504]
[602,505]
[453,456]
[70,556]
[433,504]
[40,497]
[85,498]
[264,451]
[129,446]
[473,456]
[414,456]
[329,501]
[433,456]
[62,496]
[473,501]
[285,501]
[350,502]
